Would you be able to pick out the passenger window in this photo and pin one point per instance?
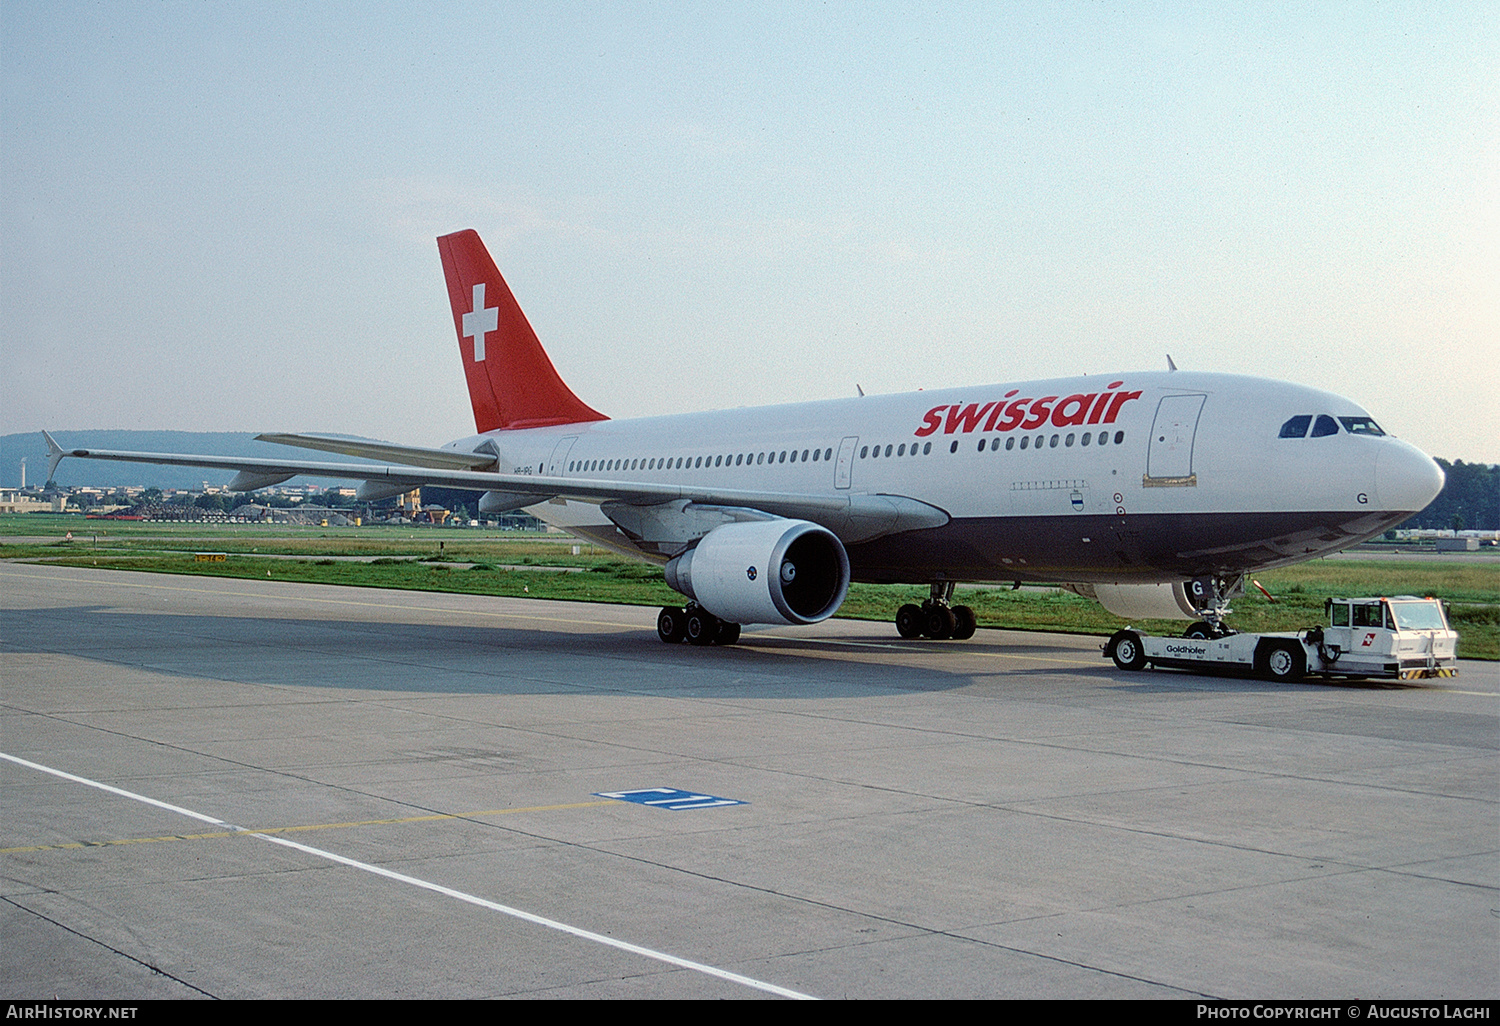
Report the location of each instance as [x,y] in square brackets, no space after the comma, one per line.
[1025,441]
[1069,440]
[1325,426]
[828,454]
[901,450]
[864,451]
[1010,443]
[1085,439]
[1054,442]
[1119,437]
[925,449]
[804,455]
[783,457]
[954,446]
[1297,426]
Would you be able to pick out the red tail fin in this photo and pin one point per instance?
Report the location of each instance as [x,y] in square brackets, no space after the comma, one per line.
[512,383]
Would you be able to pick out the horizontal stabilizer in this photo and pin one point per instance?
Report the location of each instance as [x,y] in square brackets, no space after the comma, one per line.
[370,449]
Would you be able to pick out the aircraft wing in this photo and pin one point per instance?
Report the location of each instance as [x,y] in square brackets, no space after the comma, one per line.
[853,517]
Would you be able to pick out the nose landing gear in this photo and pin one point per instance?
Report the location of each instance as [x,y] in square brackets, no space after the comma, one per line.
[1211,596]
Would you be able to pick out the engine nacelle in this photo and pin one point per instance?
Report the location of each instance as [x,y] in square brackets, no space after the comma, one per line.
[769,571]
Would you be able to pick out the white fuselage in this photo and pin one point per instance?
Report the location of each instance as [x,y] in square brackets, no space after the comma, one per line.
[1135,477]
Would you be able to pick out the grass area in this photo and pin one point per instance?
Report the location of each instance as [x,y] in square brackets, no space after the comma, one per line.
[135,537]
[1472,588]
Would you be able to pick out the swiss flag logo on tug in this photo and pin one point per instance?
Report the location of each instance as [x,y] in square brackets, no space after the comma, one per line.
[512,383]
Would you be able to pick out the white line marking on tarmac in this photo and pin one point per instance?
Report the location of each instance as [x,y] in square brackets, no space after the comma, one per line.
[551,924]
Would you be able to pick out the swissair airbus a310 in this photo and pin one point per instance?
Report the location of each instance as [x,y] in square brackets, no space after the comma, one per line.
[1154,493]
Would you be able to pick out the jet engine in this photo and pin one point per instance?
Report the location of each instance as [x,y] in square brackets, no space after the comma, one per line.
[770,571]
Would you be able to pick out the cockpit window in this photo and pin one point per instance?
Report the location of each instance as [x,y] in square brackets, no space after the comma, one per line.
[1325,426]
[1361,426]
[1296,427]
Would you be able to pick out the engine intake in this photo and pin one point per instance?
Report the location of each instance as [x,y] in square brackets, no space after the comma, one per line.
[771,571]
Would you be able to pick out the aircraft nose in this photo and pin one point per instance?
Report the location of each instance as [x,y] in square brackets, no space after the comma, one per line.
[1406,478]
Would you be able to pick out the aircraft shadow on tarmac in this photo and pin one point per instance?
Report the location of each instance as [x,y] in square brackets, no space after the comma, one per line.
[464,657]
[469,658]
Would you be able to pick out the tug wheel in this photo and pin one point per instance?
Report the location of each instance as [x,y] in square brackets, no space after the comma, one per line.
[1125,649]
[1285,662]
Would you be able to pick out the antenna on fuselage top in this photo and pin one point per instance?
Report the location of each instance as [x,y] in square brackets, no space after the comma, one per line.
[1170,365]
[859,390]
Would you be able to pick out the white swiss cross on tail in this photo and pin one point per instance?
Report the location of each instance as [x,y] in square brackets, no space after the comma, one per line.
[480,320]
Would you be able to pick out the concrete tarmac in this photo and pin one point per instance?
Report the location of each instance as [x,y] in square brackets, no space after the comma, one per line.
[1008,817]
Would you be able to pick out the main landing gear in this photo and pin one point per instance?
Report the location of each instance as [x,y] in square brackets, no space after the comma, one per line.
[936,618]
[695,625]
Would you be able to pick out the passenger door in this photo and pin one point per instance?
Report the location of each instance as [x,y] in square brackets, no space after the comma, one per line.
[843,471]
[558,465]
[1169,460]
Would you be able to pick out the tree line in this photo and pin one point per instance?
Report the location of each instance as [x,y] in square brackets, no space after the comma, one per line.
[1470,499]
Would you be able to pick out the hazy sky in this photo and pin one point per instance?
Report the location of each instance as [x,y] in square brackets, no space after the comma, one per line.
[222,216]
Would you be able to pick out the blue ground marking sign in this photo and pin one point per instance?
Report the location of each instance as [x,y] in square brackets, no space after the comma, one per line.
[669,798]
